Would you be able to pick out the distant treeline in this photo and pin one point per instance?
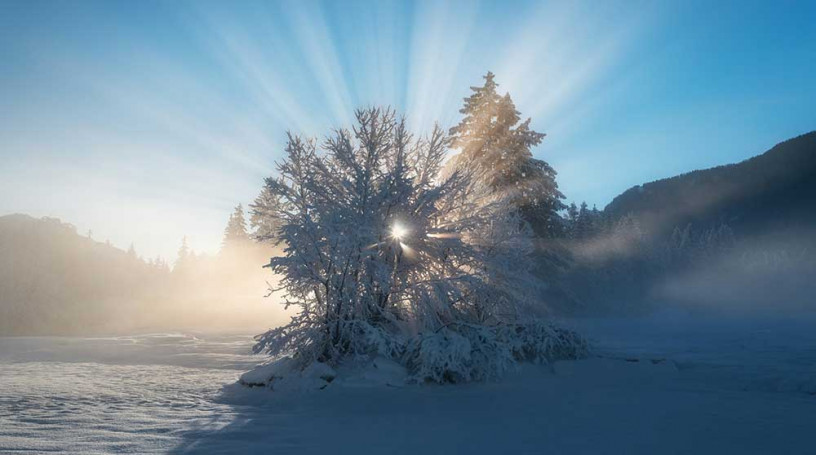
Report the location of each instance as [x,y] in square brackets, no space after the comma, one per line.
[56,281]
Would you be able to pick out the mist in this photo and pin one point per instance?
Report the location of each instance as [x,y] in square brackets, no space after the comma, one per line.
[713,271]
[54,281]
[758,276]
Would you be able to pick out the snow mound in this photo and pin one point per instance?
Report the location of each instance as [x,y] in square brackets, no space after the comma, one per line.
[285,374]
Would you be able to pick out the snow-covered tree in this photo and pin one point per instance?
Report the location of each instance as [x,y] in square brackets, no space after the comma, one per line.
[493,143]
[572,213]
[263,217]
[378,248]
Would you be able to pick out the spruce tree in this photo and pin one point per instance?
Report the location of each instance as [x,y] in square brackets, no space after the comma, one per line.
[572,218]
[184,255]
[495,146]
[264,218]
[236,230]
[583,225]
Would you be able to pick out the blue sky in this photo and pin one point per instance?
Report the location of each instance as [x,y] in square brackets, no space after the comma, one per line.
[146,121]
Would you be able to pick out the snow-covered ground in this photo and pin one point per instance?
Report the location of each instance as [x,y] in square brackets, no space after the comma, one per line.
[139,394]
[670,384]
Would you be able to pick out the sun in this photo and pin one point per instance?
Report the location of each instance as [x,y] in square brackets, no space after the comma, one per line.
[398,231]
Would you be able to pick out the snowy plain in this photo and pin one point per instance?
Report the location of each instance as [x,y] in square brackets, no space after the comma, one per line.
[664,384]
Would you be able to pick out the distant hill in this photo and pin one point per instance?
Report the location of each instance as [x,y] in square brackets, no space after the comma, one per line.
[772,192]
[55,281]
[740,236]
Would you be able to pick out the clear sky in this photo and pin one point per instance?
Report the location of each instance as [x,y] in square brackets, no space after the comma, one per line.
[146,121]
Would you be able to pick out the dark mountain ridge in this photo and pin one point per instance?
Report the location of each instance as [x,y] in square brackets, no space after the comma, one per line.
[771,192]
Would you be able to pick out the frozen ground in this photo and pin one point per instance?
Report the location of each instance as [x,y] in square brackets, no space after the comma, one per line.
[137,394]
[670,384]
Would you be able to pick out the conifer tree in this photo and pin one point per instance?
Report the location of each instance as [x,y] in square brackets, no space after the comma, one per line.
[236,230]
[263,217]
[572,212]
[184,254]
[495,148]
[572,219]
[583,225]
